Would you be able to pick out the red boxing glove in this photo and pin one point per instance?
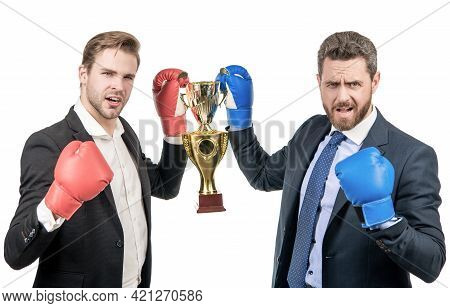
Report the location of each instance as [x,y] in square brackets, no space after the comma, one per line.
[170,108]
[81,173]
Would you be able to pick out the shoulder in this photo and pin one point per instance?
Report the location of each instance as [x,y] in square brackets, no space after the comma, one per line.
[407,153]
[318,121]
[405,142]
[51,135]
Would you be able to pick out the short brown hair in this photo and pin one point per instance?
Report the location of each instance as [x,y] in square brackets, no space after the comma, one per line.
[346,46]
[113,39]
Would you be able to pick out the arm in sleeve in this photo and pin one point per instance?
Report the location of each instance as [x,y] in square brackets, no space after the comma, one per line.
[416,242]
[263,171]
[165,177]
[26,238]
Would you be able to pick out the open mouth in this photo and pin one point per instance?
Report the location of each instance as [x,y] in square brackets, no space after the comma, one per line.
[113,101]
[344,110]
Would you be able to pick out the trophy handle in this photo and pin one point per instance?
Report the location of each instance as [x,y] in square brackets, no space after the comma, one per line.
[224,71]
[187,147]
[224,144]
[182,95]
[224,95]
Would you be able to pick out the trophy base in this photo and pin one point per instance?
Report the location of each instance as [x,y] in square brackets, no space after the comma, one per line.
[210,203]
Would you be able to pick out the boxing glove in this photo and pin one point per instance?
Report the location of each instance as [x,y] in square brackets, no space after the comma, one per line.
[170,108]
[367,179]
[237,81]
[81,173]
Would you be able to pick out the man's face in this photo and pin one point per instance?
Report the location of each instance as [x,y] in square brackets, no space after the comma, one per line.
[346,90]
[109,82]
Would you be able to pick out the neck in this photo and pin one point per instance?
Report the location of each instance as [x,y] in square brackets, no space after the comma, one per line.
[369,111]
[107,124]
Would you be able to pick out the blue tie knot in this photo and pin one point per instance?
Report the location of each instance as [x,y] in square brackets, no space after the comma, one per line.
[336,139]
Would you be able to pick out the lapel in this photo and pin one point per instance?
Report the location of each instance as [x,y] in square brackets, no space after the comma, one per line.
[378,137]
[81,134]
[306,150]
[132,144]
[303,154]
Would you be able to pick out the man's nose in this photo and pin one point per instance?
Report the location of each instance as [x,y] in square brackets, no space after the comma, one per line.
[343,95]
[117,83]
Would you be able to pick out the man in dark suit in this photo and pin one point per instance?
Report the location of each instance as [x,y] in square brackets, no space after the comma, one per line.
[86,185]
[360,197]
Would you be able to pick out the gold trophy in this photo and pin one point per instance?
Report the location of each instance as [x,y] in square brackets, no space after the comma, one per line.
[205,146]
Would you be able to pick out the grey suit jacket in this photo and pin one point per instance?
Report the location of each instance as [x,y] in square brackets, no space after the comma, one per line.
[353,257]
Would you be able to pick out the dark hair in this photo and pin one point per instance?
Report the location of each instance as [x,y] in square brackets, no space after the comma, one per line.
[348,45]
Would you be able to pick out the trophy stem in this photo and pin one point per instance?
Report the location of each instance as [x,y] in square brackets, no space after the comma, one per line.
[207,185]
[204,128]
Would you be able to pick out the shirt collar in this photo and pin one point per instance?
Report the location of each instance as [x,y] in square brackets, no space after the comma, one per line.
[358,133]
[92,126]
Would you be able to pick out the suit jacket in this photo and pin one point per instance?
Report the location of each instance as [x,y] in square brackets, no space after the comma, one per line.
[88,249]
[353,257]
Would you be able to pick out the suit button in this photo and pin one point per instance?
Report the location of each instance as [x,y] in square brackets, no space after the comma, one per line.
[143,156]
[310,272]
[119,243]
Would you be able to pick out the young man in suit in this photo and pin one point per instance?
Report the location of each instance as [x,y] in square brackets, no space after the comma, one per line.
[86,185]
[360,197]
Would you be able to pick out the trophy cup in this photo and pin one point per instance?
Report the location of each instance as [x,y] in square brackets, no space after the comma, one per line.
[205,146]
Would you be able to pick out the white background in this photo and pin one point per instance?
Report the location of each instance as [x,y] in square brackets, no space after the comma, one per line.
[277,41]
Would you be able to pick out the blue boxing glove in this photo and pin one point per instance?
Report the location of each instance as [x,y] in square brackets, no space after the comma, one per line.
[367,179]
[236,80]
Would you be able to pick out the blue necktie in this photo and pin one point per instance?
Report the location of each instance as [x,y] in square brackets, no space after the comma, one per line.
[308,212]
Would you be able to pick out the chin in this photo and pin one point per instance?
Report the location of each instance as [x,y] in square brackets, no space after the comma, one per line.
[348,119]
[344,125]
[110,114]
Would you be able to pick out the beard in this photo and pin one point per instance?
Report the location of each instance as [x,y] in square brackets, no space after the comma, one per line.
[100,104]
[343,124]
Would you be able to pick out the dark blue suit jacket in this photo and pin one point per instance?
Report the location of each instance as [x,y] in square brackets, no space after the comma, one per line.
[353,257]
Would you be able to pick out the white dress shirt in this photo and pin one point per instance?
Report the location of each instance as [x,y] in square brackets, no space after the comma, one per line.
[127,193]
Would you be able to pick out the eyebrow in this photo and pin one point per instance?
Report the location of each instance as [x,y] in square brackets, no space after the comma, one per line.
[130,75]
[328,82]
[104,69]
